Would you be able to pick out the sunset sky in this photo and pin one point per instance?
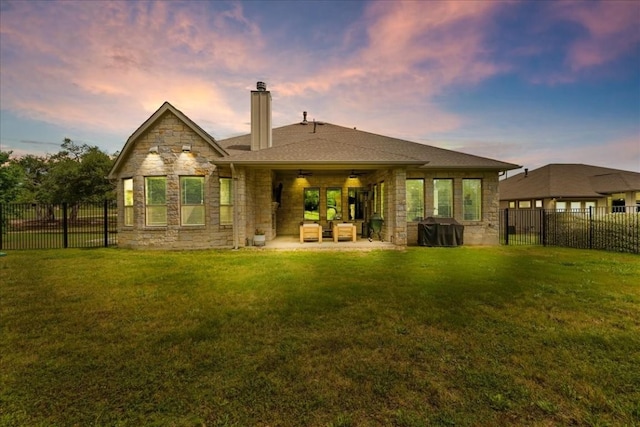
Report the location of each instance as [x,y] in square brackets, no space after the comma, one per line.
[530,83]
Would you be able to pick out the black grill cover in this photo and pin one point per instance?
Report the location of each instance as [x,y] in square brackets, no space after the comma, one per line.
[440,232]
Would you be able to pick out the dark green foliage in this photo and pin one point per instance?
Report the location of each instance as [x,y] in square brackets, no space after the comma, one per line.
[78,173]
[10,179]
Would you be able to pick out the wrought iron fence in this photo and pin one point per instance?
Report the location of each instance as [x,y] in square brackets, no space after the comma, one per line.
[50,226]
[593,228]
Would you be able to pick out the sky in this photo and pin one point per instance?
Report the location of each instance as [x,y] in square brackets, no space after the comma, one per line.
[526,82]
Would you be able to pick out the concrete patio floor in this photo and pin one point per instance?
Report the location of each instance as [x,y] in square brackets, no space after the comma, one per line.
[292,243]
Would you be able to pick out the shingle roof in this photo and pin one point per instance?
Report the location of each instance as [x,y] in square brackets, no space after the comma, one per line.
[327,143]
[568,180]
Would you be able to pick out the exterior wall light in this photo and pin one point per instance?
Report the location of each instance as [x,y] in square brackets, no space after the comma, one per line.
[154,149]
[186,148]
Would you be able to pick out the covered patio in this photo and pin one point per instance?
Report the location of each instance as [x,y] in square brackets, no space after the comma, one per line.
[292,243]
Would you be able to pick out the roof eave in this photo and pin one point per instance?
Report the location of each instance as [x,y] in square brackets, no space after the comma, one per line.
[226,161]
[504,167]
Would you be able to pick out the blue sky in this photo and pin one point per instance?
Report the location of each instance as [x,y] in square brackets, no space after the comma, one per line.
[526,82]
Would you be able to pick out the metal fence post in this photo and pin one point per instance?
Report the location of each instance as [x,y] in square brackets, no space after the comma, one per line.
[590,227]
[1,225]
[105,220]
[506,227]
[65,226]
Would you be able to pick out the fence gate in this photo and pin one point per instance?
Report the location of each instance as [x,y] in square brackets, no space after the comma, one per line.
[50,226]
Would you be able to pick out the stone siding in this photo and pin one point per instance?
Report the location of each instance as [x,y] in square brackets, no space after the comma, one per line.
[170,134]
[483,232]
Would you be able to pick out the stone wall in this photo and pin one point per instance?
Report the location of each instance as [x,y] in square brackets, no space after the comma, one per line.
[483,232]
[170,134]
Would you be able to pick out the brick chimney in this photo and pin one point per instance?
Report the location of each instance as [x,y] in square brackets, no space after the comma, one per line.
[260,117]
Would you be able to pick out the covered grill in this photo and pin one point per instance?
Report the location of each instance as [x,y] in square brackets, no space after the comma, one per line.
[440,232]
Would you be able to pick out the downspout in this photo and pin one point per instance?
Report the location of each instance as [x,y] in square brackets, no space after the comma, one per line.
[234,180]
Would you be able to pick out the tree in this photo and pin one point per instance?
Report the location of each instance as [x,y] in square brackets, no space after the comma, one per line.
[34,170]
[11,177]
[78,173]
[80,176]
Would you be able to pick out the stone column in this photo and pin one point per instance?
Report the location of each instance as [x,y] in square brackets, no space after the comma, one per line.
[398,215]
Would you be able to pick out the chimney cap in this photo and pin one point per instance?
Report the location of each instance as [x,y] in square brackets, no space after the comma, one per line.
[261,86]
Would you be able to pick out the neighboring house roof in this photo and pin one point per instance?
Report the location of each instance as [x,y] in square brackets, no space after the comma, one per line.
[166,107]
[326,143]
[568,181]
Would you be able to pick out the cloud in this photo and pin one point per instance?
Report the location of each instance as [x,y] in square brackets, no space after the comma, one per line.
[98,64]
[412,52]
[612,30]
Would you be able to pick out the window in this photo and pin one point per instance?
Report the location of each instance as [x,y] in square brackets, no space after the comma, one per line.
[443,197]
[334,203]
[127,185]
[415,199]
[512,204]
[561,206]
[382,200]
[576,205]
[589,205]
[538,203]
[472,199]
[618,202]
[156,200]
[192,200]
[524,204]
[357,198]
[311,204]
[226,201]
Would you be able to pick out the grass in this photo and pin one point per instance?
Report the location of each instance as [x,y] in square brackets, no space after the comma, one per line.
[427,336]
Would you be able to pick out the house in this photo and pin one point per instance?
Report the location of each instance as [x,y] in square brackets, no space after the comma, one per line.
[571,186]
[179,188]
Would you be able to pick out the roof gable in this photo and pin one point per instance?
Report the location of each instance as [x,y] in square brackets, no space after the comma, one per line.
[150,122]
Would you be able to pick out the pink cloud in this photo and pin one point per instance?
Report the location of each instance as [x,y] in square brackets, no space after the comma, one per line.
[118,58]
[613,30]
[414,51]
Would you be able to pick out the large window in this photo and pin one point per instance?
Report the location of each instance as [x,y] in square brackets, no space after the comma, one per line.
[127,186]
[311,204]
[226,201]
[443,198]
[192,200]
[156,200]
[472,199]
[415,199]
[334,203]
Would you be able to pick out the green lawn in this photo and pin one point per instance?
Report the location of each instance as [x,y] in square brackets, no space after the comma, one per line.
[427,336]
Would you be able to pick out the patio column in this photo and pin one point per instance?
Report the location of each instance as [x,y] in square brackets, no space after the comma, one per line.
[398,203]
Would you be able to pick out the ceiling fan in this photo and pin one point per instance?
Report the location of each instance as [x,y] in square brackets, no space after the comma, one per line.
[302,174]
[355,174]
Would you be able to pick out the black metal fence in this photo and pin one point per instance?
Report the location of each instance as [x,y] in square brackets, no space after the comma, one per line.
[592,228]
[50,226]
